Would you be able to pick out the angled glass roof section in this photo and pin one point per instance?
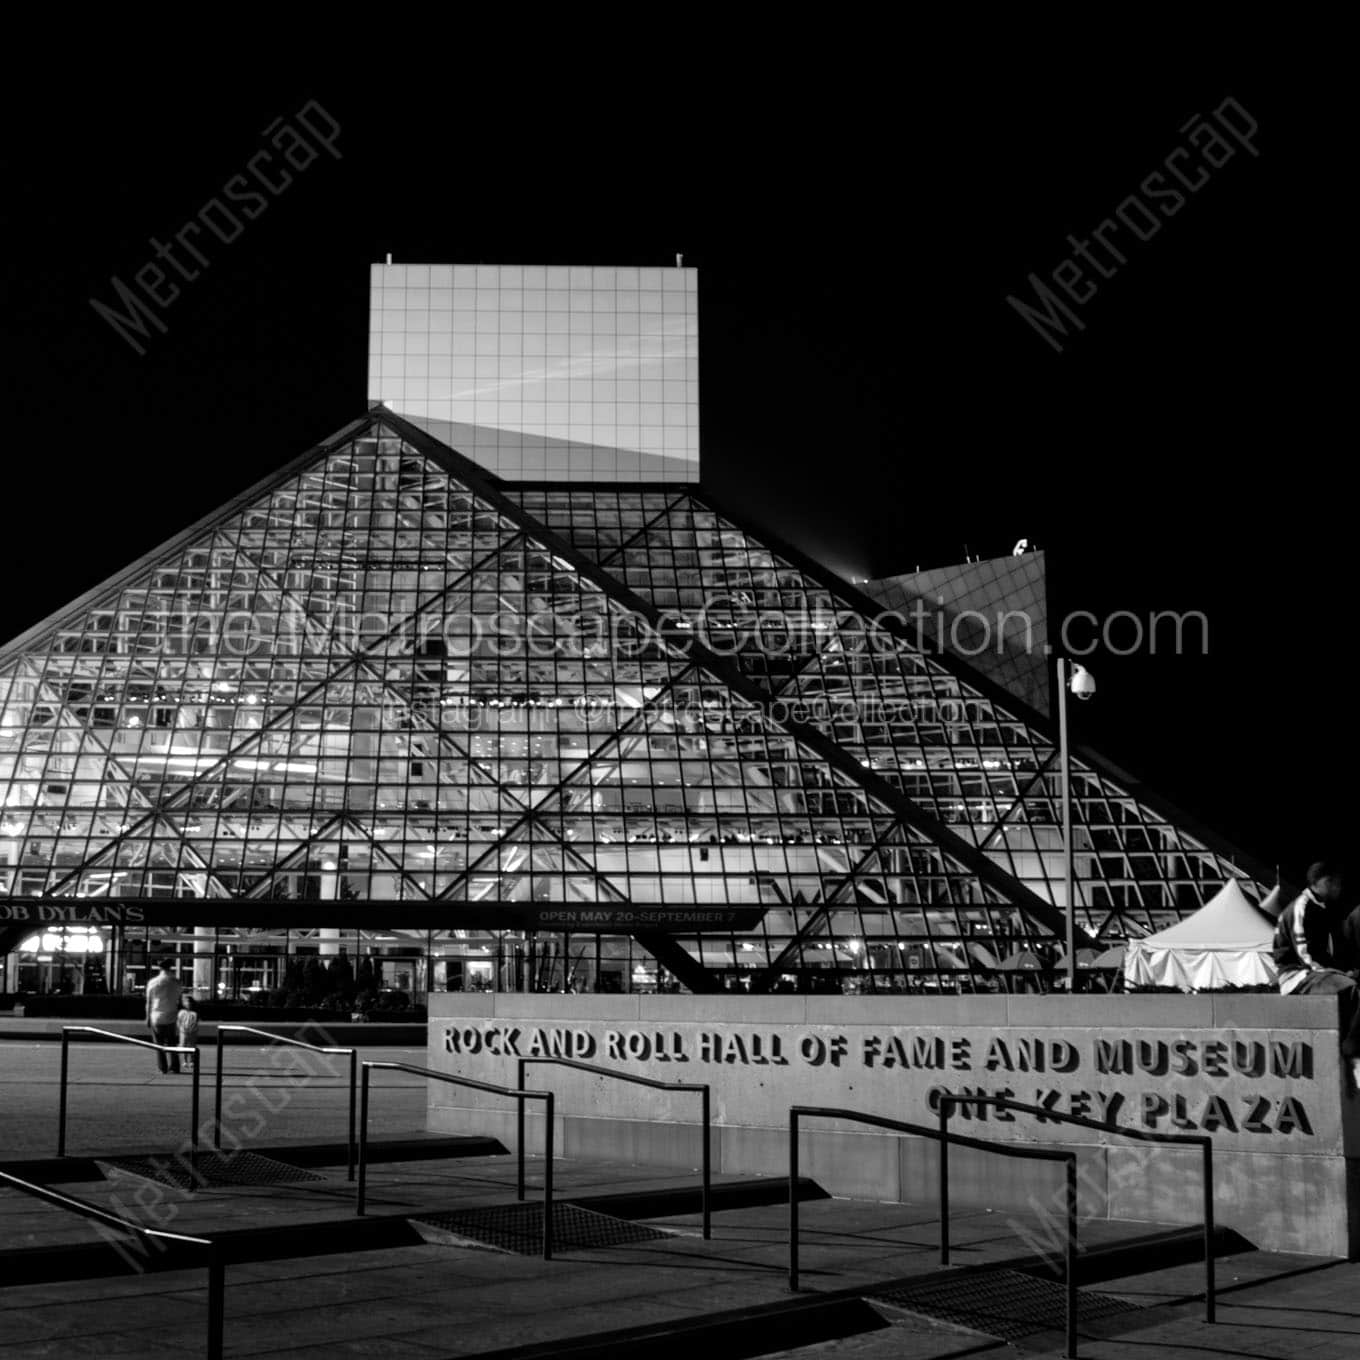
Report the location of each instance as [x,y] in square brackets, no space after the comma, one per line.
[367,656]
[598,521]
[382,676]
[702,799]
[955,748]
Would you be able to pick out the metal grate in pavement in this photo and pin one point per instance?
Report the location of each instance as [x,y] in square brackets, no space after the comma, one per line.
[1002,1303]
[213,1169]
[518,1228]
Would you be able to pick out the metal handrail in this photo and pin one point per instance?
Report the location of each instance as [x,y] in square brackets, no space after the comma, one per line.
[216,1270]
[521,1096]
[947,1101]
[294,1043]
[68,1030]
[943,1137]
[702,1087]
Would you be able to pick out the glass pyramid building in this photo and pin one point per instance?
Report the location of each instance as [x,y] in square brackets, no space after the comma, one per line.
[541,735]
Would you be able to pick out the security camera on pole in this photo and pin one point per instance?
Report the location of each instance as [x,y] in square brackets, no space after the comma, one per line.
[1083,685]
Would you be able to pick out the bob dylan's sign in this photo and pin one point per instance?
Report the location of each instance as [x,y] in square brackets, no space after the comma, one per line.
[1253,1086]
[72,913]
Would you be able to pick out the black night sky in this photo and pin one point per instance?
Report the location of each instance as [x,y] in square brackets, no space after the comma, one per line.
[866,390]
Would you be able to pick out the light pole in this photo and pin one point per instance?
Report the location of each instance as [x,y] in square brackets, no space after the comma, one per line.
[1083,685]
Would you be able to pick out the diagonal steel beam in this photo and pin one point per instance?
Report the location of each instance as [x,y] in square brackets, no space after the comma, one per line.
[134,791]
[667,950]
[647,528]
[1006,702]
[763,980]
[1024,899]
[167,805]
[108,591]
[567,780]
[445,740]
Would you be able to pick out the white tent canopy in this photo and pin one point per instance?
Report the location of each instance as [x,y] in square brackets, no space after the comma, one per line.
[1276,900]
[1226,943]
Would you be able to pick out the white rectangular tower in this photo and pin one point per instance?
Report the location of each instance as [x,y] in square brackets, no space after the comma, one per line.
[544,372]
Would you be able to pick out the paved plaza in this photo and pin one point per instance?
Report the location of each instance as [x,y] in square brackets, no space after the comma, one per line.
[119,1101]
[423,1299]
[307,1278]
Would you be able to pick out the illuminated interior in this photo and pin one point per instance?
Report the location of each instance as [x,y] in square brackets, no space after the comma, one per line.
[381,701]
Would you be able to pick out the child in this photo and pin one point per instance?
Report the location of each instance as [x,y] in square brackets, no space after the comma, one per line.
[186,1024]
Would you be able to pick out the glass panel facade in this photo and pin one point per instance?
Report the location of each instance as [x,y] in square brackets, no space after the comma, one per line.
[391,693]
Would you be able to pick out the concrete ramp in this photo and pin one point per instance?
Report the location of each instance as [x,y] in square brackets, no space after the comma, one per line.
[210,1169]
[518,1229]
[1010,1305]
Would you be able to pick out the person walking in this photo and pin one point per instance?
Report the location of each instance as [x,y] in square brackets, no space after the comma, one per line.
[162,1006]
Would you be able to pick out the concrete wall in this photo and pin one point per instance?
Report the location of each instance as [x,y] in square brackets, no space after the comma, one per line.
[1261,1074]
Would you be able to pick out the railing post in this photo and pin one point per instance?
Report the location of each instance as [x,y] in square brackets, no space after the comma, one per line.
[193,1133]
[217,1285]
[793,1199]
[1071,1255]
[217,1101]
[61,1105]
[353,1081]
[1208,1230]
[547,1175]
[944,1179]
[363,1139]
[708,1165]
[519,1130]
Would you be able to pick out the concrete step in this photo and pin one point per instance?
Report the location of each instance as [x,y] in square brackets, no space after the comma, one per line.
[294,1288]
[1155,1251]
[67,1170]
[110,1254]
[116,1255]
[672,1201]
[805,1320]
[734,1334]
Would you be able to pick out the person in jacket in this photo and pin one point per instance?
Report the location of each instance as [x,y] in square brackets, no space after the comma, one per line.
[162,1007]
[1315,953]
